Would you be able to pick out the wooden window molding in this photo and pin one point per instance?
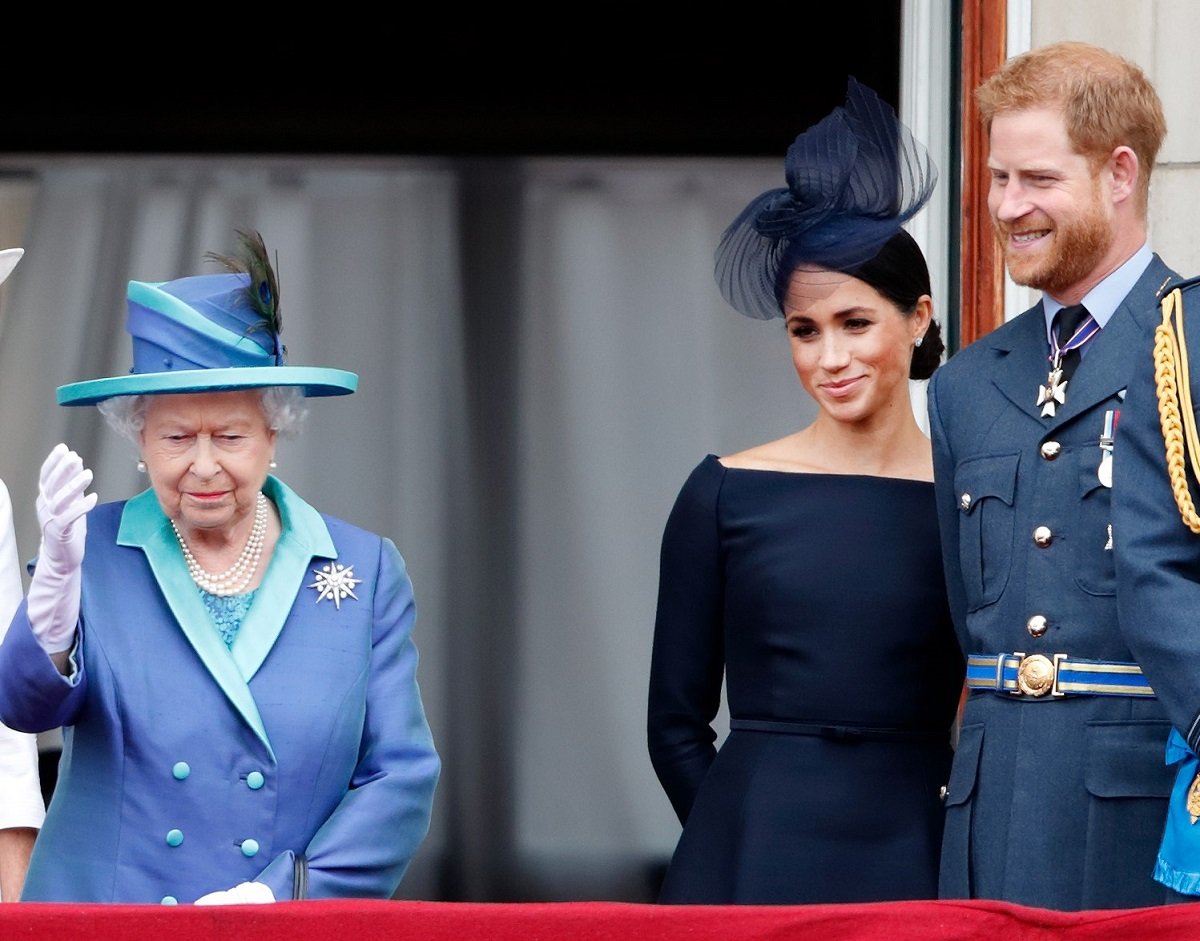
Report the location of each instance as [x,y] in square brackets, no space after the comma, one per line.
[981,306]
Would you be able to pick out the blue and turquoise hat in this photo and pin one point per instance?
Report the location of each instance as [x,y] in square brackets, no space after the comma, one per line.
[207,333]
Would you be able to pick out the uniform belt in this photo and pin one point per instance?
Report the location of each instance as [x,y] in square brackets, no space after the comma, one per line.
[1055,675]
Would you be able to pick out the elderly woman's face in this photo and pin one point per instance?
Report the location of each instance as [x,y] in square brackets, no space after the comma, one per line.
[207,455]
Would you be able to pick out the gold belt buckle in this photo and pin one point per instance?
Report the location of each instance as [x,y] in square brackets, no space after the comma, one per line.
[1037,674]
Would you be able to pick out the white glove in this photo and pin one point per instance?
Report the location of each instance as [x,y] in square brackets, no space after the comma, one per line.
[244,893]
[61,508]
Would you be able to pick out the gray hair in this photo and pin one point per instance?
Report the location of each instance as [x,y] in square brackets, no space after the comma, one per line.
[283,407]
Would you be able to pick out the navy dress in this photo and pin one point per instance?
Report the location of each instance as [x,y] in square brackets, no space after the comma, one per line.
[819,600]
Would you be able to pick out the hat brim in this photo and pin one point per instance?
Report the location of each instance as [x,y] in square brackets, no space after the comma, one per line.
[311,380]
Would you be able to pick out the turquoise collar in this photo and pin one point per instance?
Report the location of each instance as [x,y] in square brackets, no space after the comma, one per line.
[304,536]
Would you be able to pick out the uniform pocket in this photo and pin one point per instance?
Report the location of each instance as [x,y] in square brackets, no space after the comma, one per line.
[985,487]
[955,878]
[1095,572]
[1128,782]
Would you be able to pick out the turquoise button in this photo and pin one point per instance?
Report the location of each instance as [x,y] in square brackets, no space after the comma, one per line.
[174,837]
[169,900]
[249,847]
[255,780]
[181,770]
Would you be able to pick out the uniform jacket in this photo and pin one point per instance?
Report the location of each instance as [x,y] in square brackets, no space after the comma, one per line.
[1157,555]
[301,758]
[1052,802]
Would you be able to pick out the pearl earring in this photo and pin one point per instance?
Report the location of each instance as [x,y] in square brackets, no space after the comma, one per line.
[919,340]
[272,465]
[141,466]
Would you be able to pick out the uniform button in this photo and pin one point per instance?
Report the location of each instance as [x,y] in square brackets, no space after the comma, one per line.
[169,900]
[1036,625]
[249,847]
[964,502]
[1051,450]
[181,770]
[174,837]
[1042,536]
[255,780]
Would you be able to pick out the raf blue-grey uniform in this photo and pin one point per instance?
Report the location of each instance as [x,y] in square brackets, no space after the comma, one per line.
[1158,564]
[1058,790]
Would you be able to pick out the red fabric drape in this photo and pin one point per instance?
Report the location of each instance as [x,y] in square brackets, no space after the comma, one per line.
[591,921]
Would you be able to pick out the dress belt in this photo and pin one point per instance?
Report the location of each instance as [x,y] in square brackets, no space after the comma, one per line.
[1055,675]
[850,733]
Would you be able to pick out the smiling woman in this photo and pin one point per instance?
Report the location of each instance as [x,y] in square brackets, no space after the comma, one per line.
[805,573]
[852,347]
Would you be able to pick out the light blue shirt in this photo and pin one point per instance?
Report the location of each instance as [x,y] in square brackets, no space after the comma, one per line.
[1103,300]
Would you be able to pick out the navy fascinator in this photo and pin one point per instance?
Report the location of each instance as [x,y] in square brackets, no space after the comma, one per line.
[853,179]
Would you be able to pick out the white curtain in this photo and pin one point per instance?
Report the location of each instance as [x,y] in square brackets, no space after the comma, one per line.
[632,368]
[543,357]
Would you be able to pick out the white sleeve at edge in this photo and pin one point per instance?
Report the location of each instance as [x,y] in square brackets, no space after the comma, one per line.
[21,802]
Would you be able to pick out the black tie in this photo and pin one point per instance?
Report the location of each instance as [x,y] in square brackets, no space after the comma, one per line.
[1065,323]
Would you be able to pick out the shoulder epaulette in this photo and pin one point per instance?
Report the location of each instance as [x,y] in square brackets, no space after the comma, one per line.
[1170,285]
[1177,417]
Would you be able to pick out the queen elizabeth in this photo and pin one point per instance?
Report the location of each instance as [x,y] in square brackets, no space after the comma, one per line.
[234,671]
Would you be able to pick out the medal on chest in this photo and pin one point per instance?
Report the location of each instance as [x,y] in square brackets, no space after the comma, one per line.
[1104,472]
[1054,392]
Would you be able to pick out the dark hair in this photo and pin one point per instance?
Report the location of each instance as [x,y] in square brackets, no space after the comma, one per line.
[899,272]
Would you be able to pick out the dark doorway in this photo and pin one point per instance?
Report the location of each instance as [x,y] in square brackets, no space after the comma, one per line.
[617,81]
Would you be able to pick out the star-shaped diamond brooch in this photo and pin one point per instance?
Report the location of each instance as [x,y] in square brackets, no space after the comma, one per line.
[335,582]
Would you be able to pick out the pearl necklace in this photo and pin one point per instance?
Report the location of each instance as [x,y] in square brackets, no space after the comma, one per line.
[233,580]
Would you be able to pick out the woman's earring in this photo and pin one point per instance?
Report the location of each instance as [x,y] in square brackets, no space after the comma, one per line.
[919,340]
[141,466]
[272,465]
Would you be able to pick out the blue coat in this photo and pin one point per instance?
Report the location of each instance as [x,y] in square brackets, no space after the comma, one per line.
[301,758]
[1052,802]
